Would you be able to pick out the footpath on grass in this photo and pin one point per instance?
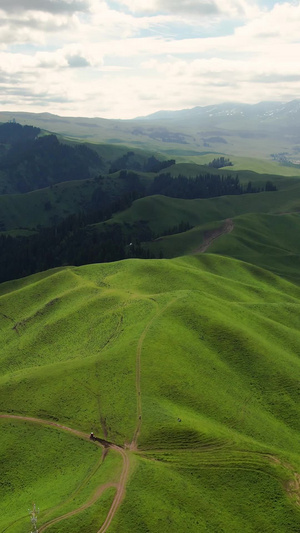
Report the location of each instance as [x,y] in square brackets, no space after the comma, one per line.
[133,445]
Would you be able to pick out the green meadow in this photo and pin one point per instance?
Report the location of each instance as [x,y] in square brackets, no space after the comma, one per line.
[217,343]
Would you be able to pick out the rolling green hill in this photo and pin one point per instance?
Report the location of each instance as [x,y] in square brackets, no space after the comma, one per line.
[270,241]
[188,368]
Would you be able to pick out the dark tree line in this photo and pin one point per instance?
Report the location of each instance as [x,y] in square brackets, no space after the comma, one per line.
[51,247]
[202,186]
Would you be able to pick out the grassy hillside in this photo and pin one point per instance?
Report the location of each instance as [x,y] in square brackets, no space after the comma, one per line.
[257,173]
[269,241]
[193,359]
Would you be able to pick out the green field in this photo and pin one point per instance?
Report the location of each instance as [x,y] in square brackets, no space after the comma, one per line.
[207,340]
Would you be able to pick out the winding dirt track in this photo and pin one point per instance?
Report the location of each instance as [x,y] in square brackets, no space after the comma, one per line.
[120,486]
[120,490]
[210,236]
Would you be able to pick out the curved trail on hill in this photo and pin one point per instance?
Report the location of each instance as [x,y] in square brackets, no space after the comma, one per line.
[120,491]
[133,445]
[210,236]
[120,485]
[83,507]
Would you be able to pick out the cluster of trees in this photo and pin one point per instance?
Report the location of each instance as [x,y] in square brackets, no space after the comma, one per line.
[220,162]
[56,246]
[131,161]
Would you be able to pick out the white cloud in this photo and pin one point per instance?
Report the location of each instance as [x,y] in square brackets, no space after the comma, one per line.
[198,8]
[49,6]
[102,61]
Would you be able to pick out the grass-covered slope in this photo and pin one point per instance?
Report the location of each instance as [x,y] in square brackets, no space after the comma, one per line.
[270,241]
[207,340]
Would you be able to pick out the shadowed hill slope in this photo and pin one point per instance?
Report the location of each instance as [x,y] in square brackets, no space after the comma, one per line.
[162,212]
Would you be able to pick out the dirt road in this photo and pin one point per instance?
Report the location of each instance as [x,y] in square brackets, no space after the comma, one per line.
[86,505]
[120,490]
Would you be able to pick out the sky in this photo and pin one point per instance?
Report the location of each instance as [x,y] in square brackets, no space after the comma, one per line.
[128,58]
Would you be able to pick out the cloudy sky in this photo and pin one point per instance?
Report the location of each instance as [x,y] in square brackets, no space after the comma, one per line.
[126,58]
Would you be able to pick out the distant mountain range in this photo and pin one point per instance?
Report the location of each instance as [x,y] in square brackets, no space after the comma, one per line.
[262,110]
[266,130]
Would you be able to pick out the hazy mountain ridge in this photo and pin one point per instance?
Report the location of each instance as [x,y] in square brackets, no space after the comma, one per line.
[262,109]
[257,130]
